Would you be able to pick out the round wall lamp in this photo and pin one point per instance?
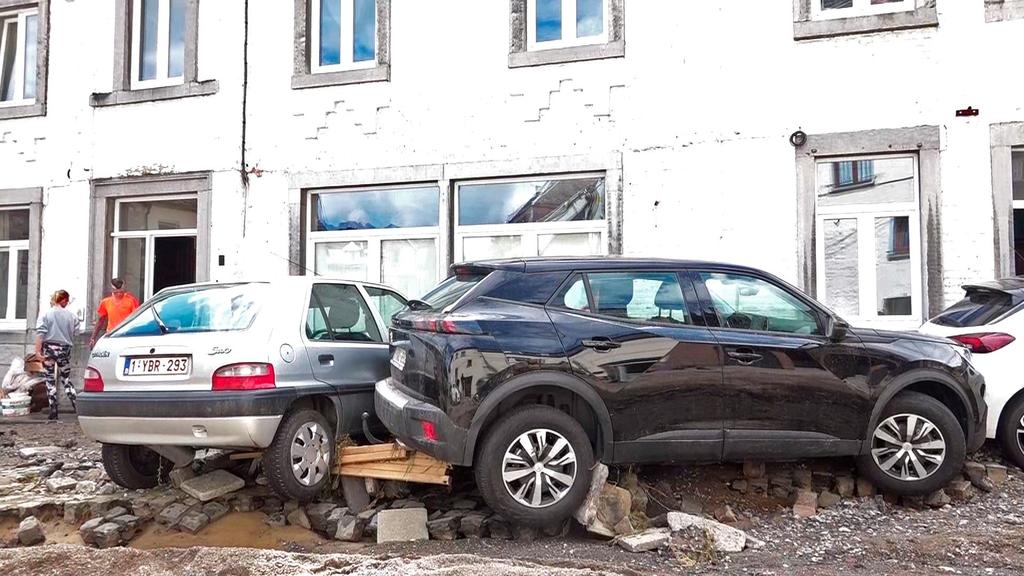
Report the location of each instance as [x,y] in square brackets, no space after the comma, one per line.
[798,138]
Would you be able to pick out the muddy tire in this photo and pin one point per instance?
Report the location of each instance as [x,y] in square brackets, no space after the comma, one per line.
[534,466]
[917,446]
[135,467]
[298,461]
[1011,431]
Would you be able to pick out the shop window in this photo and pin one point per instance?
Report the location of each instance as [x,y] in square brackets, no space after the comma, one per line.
[1017,175]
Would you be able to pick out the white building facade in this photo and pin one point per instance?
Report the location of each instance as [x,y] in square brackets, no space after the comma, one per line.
[870,152]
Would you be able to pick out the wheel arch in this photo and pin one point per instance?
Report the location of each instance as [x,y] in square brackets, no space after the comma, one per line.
[1005,411]
[933,383]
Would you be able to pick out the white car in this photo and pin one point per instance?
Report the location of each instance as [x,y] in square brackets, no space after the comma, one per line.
[989,321]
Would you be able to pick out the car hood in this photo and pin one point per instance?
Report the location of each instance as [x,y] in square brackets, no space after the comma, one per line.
[875,335]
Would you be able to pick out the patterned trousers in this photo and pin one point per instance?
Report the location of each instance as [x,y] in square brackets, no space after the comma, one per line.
[58,368]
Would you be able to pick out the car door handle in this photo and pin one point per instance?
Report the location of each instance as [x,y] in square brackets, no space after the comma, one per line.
[601,344]
[744,356]
[326,359]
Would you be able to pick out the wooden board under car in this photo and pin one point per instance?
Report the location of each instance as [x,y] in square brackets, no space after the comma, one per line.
[391,462]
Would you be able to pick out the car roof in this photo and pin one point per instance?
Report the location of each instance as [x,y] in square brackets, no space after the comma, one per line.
[283,280]
[557,264]
[1013,285]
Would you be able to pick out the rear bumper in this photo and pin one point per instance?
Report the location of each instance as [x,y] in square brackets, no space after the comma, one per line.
[404,416]
[230,432]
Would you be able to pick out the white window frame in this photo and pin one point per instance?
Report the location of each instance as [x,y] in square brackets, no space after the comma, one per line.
[529,232]
[867,272]
[860,8]
[14,247]
[148,235]
[20,17]
[568,15]
[347,26]
[373,237]
[163,46]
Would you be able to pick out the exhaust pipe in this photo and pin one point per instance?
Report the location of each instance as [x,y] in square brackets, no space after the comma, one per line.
[179,455]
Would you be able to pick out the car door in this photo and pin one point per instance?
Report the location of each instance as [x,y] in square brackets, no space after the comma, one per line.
[788,391]
[344,343]
[633,337]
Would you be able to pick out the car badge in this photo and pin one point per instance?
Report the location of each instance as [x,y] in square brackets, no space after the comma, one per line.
[218,350]
[100,354]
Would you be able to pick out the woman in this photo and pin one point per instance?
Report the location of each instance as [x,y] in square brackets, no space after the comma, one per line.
[55,334]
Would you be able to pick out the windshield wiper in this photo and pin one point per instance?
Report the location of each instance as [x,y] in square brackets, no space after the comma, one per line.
[418,305]
[159,321]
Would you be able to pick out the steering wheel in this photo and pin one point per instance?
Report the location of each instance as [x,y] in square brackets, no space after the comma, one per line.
[319,334]
[740,320]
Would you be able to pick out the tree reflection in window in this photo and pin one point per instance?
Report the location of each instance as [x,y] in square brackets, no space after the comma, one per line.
[532,201]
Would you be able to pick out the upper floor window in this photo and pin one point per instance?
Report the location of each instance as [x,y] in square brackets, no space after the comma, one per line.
[561,23]
[344,35]
[18,50]
[158,43]
[827,9]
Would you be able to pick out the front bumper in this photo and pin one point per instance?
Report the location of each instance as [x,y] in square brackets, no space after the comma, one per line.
[976,436]
[404,416]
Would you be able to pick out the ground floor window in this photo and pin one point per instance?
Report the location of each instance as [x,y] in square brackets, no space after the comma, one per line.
[868,238]
[154,241]
[14,237]
[1017,162]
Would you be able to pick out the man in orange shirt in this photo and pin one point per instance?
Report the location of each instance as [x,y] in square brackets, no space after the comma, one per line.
[113,309]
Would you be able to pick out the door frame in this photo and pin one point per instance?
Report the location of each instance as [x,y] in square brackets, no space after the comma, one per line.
[149,236]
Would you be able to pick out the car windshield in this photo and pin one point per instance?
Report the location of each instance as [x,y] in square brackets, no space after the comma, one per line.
[448,292]
[200,309]
[978,308]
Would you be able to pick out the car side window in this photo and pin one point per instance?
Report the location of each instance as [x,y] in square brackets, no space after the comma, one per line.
[749,303]
[646,296]
[388,303]
[338,313]
[573,295]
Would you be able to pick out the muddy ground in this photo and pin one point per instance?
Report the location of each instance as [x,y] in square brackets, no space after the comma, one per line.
[983,535]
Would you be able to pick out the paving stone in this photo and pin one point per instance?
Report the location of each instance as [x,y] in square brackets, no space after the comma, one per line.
[171,515]
[828,499]
[76,512]
[60,485]
[937,499]
[107,535]
[30,532]
[845,486]
[806,504]
[213,485]
[350,529]
[865,489]
[959,490]
[115,512]
[298,517]
[997,473]
[193,522]
[803,479]
[646,541]
[179,475]
[403,525]
[215,510]
[85,487]
[445,528]
[88,530]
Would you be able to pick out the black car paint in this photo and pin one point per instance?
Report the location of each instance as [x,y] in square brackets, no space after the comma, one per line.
[668,392]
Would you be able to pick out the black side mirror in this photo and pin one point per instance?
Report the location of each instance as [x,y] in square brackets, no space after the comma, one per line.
[836,329]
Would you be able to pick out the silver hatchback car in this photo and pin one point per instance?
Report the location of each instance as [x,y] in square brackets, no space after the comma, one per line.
[286,366]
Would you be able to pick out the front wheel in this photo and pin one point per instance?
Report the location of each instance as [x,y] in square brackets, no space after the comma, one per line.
[135,467]
[534,466]
[1011,431]
[298,461]
[917,447]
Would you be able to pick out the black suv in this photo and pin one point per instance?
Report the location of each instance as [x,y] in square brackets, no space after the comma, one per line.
[530,370]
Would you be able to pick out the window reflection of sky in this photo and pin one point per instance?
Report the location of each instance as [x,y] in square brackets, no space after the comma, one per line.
[330,32]
[549,20]
[150,20]
[364,18]
[176,50]
[535,201]
[376,209]
[589,18]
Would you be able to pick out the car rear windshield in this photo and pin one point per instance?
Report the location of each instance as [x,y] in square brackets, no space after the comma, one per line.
[203,309]
[454,287]
[978,308]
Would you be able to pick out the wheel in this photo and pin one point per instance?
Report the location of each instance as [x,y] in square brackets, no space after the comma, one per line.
[135,467]
[1011,431]
[534,466]
[916,448]
[298,461]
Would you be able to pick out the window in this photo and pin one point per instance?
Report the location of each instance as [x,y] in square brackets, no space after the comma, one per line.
[386,235]
[749,303]
[158,43]
[344,35]
[574,295]
[828,9]
[155,242]
[868,242]
[14,240]
[646,296]
[387,302]
[338,313]
[561,23]
[529,217]
[19,31]
[225,308]
[1017,179]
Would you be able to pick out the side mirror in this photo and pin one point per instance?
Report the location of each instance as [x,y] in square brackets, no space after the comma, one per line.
[836,329]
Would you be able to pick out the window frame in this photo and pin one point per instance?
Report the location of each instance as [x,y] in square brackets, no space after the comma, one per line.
[14,248]
[686,286]
[524,51]
[20,19]
[528,232]
[806,26]
[568,15]
[148,235]
[30,199]
[860,8]
[25,108]
[347,26]
[306,53]
[385,332]
[163,46]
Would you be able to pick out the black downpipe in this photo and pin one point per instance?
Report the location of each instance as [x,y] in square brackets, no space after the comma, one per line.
[245,96]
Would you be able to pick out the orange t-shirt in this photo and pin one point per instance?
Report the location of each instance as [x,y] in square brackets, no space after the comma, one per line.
[115,310]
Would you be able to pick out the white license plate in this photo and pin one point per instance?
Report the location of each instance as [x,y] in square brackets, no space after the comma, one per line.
[398,358]
[157,366]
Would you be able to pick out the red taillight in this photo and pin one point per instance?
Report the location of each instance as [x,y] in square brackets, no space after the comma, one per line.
[253,376]
[93,380]
[983,343]
[446,326]
[429,431]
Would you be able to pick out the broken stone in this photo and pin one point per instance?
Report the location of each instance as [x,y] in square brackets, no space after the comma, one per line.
[996,473]
[115,512]
[171,515]
[290,506]
[244,503]
[806,504]
[914,502]
[213,485]
[107,535]
[639,497]
[406,503]
[724,514]
[180,475]
[76,512]
[499,528]
[845,486]
[298,517]
[318,513]
[88,530]
[758,485]
[781,486]
[803,479]
[753,469]
[937,499]
[129,526]
[357,498]
[463,504]
[646,541]
[725,538]
[350,529]
[193,522]
[370,517]
[94,475]
[106,490]
[828,499]
[472,525]
[59,485]
[335,516]
[85,487]
[613,505]
[959,489]
[865,489]
[30,532]
[151,505]
[215,510]
[31,508]
[272,505]
[524,533]
[403,525]
[444,528]
[740,486]
[276,520]
[37,451]
[394,489]
[587,512]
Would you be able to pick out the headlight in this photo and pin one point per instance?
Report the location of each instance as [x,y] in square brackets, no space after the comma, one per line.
[964,353]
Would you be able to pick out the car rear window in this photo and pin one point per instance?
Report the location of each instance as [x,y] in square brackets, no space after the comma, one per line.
[978,308]
[203,309]
[532,288]
[449,291]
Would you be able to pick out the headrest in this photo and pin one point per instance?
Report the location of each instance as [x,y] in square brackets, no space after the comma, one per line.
[670,297]
[612,293]
[343,314]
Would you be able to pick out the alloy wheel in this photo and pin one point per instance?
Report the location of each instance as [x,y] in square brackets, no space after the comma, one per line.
[1020,435]
[539,468]
[311,454]
[908,447]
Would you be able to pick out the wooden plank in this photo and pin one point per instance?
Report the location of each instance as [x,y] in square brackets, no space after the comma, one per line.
[403,476]
[392,453]
[246,455]
[380,467]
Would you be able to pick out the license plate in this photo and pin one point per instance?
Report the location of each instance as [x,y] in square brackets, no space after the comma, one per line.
[157,366]
[398,358]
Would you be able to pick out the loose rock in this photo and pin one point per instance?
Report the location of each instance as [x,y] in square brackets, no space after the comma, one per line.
[828,499]
[753,469]
[726,538]
[472,525]
[59,485]
[845,486]
[806,504]
[298,517]
[215,510]
[937,499]
[444,528]
[996,473]
[213,485]
[107,535]
[645,541]
[30,532]
[350,529]
[193,522]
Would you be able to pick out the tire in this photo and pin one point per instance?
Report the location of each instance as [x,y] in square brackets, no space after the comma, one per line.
[902,409]
[1011,431]
[504,436]
[135,467]
[305,483]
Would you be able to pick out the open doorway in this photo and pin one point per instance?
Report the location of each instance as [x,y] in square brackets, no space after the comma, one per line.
[174,261]
[155,243]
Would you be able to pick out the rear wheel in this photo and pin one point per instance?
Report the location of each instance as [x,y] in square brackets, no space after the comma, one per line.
[1011,431]
[298,461]
[534,466]
[135,467]
[916,448]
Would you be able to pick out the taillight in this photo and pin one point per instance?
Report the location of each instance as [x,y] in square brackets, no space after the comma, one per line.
[446,326]
[983,343]
[250,376]
[429,430]
[93,380]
